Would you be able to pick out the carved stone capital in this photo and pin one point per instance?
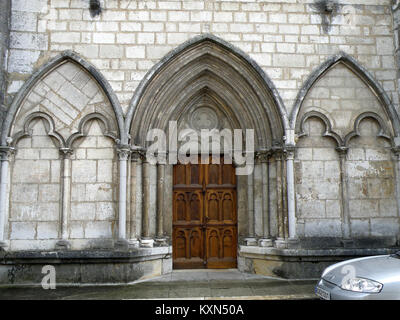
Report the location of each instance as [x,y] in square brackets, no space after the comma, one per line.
[396,151]
[6,153]
[66,152]
[137,154]
[278,152]
[342,151]
[124,151]
[263,155]
[289,151]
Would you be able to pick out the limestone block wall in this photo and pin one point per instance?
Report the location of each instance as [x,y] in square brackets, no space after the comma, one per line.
[372,185]
[94,187]
[67,93]
[65,167]
[288,39]
[34,214]
[336,194]
[355,198]
[318,196]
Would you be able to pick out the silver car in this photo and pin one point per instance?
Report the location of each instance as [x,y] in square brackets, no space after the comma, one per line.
[369,278]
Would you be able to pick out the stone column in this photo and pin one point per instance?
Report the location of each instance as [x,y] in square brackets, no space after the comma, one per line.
[280,241]
[123,156]
[344,196]
[266,240]
[250,240]
[136,208]
[396,152]
[160,239]
[149,203]
[291,192]
[5,154]
[63,243]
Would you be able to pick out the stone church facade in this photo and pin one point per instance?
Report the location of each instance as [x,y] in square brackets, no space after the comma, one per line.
[82,83]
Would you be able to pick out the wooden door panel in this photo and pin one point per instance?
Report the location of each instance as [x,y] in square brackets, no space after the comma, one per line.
[204,216]
[188,207]
[220,206]
[188,250]
[221,247]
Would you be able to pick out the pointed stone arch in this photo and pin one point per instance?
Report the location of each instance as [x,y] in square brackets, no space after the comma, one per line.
[208,65]
[354,66]
[47,68]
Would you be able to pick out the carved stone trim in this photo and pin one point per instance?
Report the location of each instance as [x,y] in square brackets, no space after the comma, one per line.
[82,128]
[50,129]
[383,133]
[361,72]
[328,126]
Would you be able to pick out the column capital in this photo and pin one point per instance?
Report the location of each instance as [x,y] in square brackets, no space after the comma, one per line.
[277,152]
[6,152]
[342,151]
[124,152]
[66,152]
[263,155]
[137,153]
[289,151]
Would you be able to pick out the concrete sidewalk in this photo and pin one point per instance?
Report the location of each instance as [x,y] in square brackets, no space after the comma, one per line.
[185,284]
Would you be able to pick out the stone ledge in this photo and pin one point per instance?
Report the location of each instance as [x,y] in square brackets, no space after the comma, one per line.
[334,253]
[298,263]
[85,256]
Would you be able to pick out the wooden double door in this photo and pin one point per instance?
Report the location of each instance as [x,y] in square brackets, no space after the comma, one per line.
[204,216]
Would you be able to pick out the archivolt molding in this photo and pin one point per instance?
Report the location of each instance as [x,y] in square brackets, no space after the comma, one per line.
[206,62]
[383,133]
[328,127]
[41,72]
[28,132]
[83,131]
[361,72]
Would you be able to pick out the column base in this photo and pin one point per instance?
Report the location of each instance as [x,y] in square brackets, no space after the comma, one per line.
[134,243]
[347,243]
[293,243]
[161,242]
[265,242]
[121,245]
[250,241]
[281,243]
[147,243]
[63,245]
[4,245]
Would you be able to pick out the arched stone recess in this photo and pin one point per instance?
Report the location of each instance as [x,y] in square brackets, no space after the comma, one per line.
[372,187]
[347,100]
[82,115]
[92,220]
[345,81]
[318,179]
[67,88]
[205,83]
[35,189]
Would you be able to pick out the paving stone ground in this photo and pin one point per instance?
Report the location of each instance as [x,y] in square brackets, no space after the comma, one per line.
[188,284]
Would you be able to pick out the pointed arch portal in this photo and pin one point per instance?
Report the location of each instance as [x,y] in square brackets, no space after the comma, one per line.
[202,67]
